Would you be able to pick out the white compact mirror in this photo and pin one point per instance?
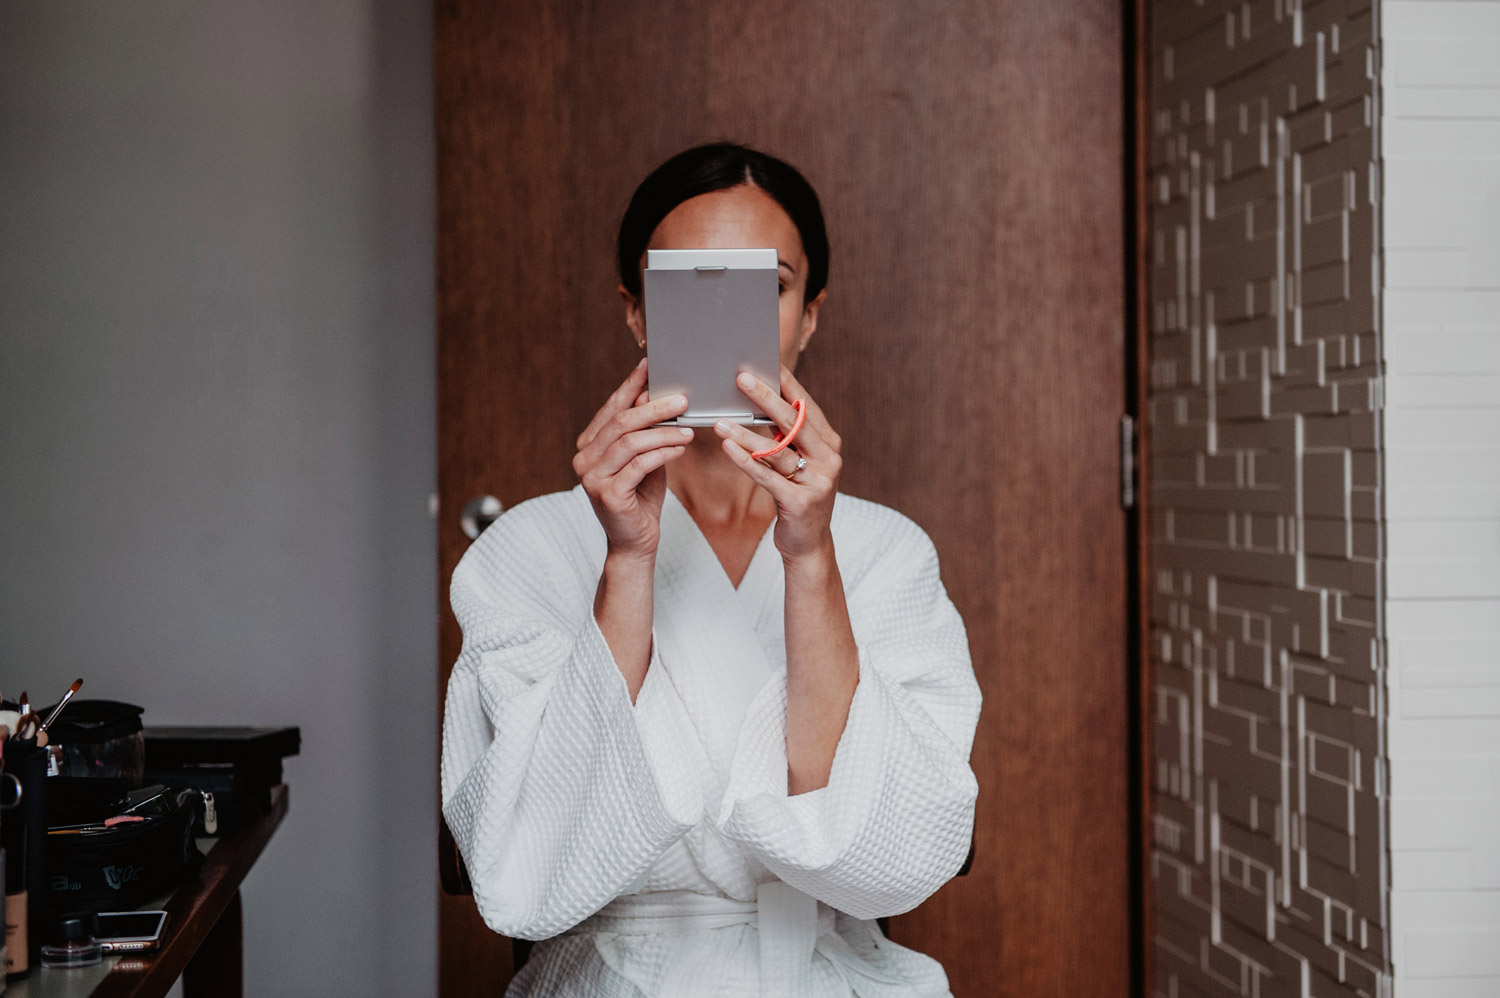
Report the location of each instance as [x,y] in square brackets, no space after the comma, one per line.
[711,314]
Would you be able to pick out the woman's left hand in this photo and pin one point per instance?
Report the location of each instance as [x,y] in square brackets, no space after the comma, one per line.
[804,497]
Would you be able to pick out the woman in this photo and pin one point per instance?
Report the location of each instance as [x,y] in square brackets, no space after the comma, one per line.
[711,717]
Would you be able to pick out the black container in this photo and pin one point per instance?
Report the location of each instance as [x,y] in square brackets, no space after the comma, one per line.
[24,835]
[122,867]
[98,738]
[237,765]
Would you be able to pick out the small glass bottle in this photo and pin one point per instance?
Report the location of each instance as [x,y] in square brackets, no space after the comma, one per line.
[75,942]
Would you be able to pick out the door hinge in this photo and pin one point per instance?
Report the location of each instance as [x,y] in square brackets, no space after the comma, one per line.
[1127,461]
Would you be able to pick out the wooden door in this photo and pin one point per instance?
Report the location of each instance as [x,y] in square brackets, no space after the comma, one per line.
[972,353]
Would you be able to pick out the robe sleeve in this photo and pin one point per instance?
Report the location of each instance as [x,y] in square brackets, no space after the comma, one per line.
[895,819]
[559,792]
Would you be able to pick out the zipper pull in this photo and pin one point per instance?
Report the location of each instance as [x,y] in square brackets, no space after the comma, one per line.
[210,813]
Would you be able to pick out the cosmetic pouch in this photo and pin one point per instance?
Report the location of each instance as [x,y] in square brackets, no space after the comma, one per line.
[96,867]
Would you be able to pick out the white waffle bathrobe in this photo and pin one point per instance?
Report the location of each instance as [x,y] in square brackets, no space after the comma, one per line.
[653,845]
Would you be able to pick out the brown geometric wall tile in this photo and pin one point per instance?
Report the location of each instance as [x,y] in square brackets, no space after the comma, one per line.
[1269,820]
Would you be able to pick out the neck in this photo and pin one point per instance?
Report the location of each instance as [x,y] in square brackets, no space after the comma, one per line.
[712,489]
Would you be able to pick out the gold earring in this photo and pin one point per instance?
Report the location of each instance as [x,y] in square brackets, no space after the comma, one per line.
[641,344]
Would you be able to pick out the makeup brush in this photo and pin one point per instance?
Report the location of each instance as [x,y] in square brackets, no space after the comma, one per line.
[77,683]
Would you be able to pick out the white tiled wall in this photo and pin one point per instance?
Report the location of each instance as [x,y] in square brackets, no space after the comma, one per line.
[1441,130]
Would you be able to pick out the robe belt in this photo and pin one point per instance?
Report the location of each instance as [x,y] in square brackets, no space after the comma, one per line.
[792,926]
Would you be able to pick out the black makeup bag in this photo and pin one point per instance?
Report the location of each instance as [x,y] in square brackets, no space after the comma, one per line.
[93,867]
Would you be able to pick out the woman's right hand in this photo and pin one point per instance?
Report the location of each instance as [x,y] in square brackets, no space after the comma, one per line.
[621,461]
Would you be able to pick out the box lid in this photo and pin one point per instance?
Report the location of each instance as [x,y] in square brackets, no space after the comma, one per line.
[175,745]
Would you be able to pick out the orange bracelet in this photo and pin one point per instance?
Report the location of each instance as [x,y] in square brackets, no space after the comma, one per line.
[783,442]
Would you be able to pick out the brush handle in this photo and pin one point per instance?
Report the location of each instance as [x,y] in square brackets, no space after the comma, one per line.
[60,705]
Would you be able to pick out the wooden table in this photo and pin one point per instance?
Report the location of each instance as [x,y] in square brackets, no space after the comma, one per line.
[202,942]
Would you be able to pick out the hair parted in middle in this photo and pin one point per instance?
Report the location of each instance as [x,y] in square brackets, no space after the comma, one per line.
[719,166]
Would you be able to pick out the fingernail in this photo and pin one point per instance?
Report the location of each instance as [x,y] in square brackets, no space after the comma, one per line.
[686,432]
[640,363]
[722,426]
[746,380]
[679,400]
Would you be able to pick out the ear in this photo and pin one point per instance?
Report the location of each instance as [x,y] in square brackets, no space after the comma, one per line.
[635,316]
[810,319]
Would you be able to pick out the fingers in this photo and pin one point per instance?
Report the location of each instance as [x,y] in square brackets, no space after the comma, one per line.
[646,414]
[632,445]
[782,461]
[629,477]
[771,403]
[810,439]
[792,388]
[628,421]
[617,402]
[783,491]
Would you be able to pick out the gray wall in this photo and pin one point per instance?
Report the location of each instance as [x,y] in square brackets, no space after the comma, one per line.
[216,423]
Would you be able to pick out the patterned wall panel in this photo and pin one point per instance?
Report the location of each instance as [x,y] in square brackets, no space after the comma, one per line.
[1269,839]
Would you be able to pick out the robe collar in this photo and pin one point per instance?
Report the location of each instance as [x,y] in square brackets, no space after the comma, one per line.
[706,629]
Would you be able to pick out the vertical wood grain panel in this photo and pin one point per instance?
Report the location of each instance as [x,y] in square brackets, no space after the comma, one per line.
[972,353]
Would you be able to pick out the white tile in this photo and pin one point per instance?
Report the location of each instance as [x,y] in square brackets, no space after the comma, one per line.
[1475,138]
[1425,268]
[1424,218]
[1434,869]
[1442,307]
[1413,348]
[1442,579]
[1443,619]
[1452,51]
[1482,267]
[1453,953]
[1442,103]
[1407,19]
[1445,908]
[1421,176]
[1457,540]
[1452,987]
[1442,391]
[1437,824]
[1421,779]
[1470,702]
[1428,501]
[1468,429]
[1412,659]
[1482,679]
[1436,468]
[1443,738]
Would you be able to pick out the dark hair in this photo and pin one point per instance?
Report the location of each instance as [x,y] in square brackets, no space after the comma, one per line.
[717,167]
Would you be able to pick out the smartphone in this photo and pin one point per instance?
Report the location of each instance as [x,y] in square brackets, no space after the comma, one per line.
[131,931]
[711,314]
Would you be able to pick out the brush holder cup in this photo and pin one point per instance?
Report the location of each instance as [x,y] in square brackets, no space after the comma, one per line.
[97,738]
